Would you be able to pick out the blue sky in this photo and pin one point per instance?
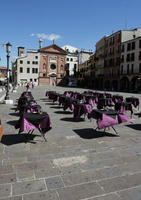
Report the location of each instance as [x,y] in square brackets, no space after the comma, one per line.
[79,23]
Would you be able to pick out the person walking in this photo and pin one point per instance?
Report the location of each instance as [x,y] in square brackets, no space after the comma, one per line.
[28,86]
[32,84]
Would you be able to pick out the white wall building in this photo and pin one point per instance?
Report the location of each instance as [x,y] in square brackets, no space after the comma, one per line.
[83,56]
[130,67]
[71,59]
[25,68]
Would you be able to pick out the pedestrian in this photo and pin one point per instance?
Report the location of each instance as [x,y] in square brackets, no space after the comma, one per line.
[28,86]
[32,84]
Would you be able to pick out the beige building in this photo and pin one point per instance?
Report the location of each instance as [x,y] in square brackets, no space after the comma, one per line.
[25,68]
[130,67]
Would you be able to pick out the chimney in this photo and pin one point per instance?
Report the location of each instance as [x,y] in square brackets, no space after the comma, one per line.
[20,51]
[53,41]
[40,44]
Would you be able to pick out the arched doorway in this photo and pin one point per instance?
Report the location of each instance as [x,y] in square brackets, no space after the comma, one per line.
[134,84]
[115,85]
[52,79]
[124,84]
[107,85]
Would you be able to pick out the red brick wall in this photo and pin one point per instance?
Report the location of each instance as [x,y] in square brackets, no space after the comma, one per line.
[46,60]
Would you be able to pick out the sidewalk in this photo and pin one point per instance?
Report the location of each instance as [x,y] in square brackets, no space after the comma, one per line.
[76,163]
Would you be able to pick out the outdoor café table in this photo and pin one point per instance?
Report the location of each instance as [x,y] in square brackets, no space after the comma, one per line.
[81,109]
[52,95]
[133,100]
[90,100]
[122,107]
[27,94]
[103,102]
[68,93]
[117,98]
[26,104]
[108,118]
[32,121]
[70,103]
[108,95]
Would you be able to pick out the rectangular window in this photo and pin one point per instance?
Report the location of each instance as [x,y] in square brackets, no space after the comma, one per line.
[128,58]
[33,71]
[132,68]
[28,62]
[21,61]
[128,69]
[122,48]
[36,70]
[133,45]
[132,57]
[21,70]
[122,58]
[128,46]
[28,70]
[118,50]
[36,57]
[121,69]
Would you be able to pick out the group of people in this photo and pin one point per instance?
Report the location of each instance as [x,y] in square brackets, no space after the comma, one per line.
[29,85]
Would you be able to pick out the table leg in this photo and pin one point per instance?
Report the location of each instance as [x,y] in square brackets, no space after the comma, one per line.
[42,134]
[115,130]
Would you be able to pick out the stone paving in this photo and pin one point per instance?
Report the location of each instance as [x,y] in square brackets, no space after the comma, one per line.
[76,163]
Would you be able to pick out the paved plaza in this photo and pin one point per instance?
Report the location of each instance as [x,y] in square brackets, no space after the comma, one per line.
[76,162]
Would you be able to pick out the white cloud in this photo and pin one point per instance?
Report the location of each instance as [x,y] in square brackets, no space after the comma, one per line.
[46,36]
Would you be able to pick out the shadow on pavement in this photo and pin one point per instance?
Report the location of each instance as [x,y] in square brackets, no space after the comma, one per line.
[13,108]
[135,126]
[49,103]
[89,133]
[14,114]
[63,112]
[13,122]
[58,107]
[71,119]
[17,138]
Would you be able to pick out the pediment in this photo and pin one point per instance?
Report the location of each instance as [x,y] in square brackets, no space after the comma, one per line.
[52,49]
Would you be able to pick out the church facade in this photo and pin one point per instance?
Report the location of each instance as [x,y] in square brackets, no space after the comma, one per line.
[52,65]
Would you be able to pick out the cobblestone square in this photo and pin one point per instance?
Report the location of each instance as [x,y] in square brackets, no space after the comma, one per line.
[76,162]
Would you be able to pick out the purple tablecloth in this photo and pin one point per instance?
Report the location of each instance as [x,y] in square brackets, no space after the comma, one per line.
[32,121]
[108,118]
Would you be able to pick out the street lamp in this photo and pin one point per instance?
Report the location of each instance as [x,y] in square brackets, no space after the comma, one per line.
[8,50]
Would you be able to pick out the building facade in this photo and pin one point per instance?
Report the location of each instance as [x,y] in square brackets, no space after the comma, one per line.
[113,56]
[99,64]
[3,75]
[130,67]
[52,65]
[25,68]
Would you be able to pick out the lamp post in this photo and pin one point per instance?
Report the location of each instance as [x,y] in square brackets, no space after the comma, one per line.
[8,50]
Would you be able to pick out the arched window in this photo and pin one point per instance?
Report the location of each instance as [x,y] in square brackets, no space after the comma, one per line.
[61,68]
[44,67]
